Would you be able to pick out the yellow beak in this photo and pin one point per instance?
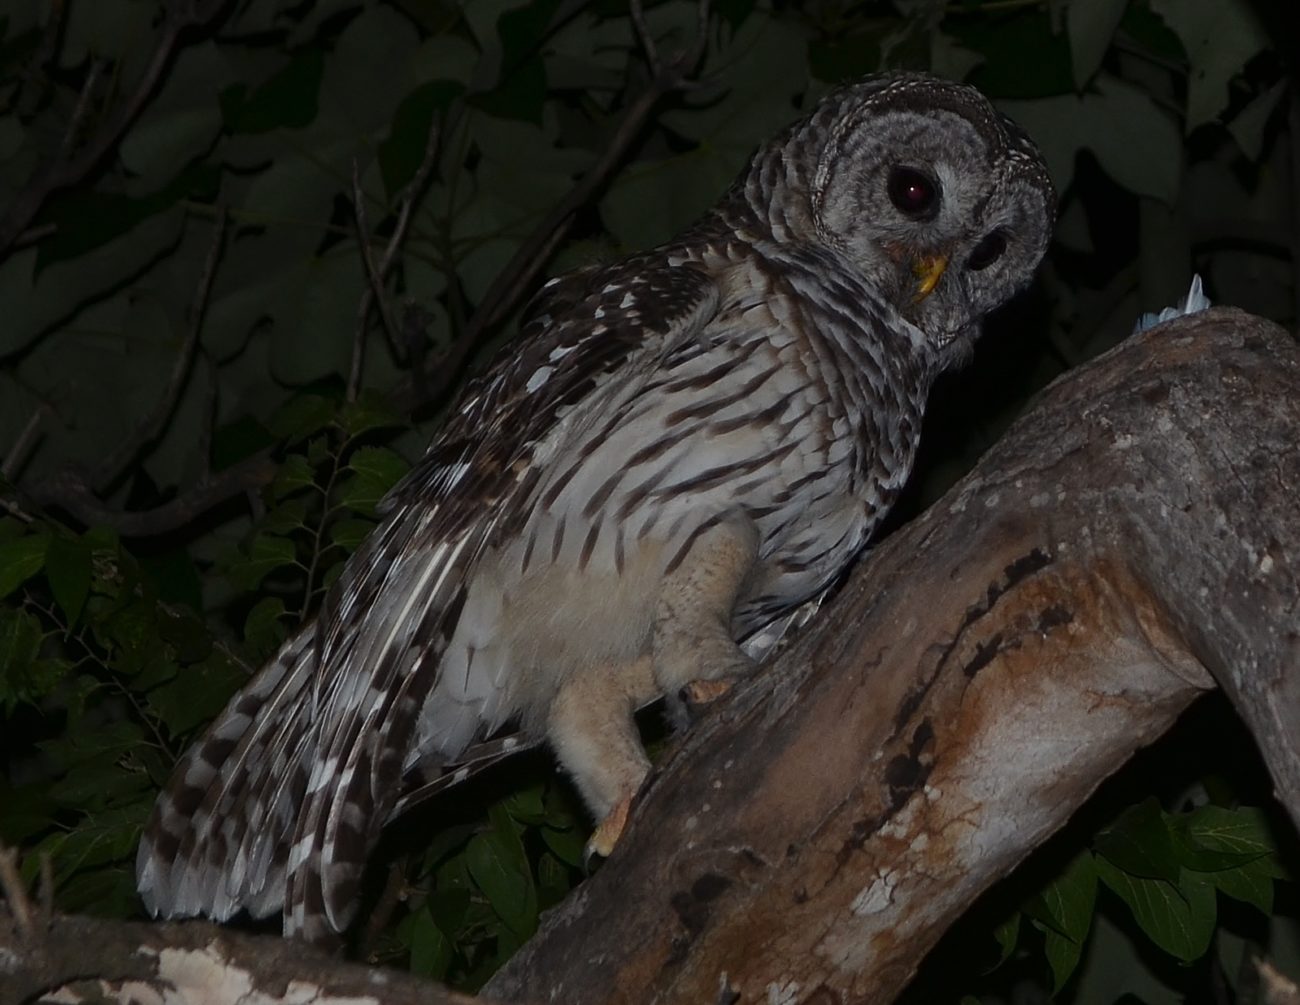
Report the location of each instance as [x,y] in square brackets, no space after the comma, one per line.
[928,270]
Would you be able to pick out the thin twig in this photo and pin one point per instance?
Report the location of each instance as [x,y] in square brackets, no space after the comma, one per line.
[153,424]
[642,30]
[20,906]
[66,169]
[204,447]
[16,511]
[13,461]
[82,108]
[374,292]
[378,275]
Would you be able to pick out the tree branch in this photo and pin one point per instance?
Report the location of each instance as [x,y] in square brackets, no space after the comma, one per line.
[69,168]
[377,275]
[1132,540]
[71,959]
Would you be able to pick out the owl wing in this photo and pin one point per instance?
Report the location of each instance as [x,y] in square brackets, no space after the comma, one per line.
[281,800]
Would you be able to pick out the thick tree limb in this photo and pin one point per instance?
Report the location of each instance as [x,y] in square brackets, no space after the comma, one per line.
[95,961]
[1133,540]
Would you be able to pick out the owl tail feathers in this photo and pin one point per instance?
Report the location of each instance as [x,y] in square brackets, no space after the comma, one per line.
[219,836]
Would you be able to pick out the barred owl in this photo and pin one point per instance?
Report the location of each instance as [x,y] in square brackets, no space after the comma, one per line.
[681,449]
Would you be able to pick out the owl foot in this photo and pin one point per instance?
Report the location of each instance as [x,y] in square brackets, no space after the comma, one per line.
[608,831]
[703,692]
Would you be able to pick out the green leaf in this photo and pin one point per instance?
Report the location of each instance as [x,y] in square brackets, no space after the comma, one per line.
[86,219]
[1007,935]
[568,843]
[348,534]
[375,471]
[449,906]
[526,806]
[1140,843]
[1136,142]
[1251,883]
[265,554]
[67,567]
[431,950]
[554,881]
[180,122]
[93,786]
[104,892]
[1248,126]
[1091,25]
[105,742]
[196,694]
[131,632]
[20,559]
[319,450]
[27,812]
[1220,38]
[1062,955]
[302,416]
[1240,832]
[369,411]
[262,628]
[1179,918]
[21,676]
[108,836]
[286,99]
[173,574]
[185,632]
[499,867]
[403,149]
[289,516]
[1063,912]
[1005,73]
[295,473]
[1066,904]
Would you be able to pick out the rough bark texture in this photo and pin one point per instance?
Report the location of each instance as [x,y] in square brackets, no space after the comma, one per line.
[75,960]
[1133,540]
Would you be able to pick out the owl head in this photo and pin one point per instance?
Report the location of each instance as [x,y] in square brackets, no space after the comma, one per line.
[942,202]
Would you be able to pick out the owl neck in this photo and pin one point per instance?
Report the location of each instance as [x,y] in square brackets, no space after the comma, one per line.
[776,191]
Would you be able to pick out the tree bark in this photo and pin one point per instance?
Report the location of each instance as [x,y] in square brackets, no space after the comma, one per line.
[1131,542]
[72,960]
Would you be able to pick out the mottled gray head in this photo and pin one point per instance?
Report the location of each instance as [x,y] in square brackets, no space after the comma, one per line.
[942,202]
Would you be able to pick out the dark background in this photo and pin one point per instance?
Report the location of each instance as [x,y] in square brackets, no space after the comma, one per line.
[201,401]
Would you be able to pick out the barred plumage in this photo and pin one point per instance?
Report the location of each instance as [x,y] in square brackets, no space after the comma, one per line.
[682,449]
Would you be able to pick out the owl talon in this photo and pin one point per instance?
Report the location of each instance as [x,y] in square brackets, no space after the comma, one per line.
[607,832]
[705,692]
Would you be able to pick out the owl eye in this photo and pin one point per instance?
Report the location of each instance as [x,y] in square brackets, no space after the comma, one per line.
[990,248]
[913,193]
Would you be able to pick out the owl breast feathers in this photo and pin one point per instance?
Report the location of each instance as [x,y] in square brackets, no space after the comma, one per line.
[681,449]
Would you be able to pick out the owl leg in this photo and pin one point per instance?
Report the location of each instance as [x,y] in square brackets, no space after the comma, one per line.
[591,728]
[694,651]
